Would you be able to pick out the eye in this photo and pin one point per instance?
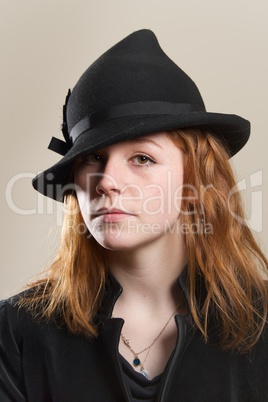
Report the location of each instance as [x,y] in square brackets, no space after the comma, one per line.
[142,160]
[91,159]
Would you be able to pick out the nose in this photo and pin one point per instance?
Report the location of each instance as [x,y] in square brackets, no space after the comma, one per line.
[108,181]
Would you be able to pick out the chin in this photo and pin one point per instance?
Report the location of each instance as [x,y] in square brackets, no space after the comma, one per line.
[111,244]
[115,236]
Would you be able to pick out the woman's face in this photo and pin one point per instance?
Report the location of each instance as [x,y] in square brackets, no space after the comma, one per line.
[129,193]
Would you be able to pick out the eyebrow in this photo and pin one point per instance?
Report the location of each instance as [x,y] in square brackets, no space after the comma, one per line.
[145,139]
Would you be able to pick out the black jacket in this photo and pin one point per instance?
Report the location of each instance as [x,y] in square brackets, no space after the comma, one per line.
[40,362]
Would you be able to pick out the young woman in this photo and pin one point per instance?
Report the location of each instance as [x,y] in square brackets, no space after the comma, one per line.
[157,290]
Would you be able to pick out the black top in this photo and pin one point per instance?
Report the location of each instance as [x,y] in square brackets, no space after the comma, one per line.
[141,389]
[41,362]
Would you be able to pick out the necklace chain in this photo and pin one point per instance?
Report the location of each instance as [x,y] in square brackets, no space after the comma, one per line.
[136,361]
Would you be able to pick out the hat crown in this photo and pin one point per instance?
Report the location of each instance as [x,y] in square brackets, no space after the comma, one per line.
[133,89]
[135,69]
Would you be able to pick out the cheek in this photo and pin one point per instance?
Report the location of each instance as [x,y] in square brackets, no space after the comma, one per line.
[86,205]
[83,202]
[85,181]
[163,197]
[154,199]
[84,185]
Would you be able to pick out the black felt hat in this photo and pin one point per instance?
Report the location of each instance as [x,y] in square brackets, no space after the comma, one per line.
[131,90]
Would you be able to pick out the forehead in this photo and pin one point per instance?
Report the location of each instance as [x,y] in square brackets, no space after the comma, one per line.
[160,140]
[155,139]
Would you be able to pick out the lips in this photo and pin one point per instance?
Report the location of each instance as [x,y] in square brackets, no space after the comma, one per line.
[112,215]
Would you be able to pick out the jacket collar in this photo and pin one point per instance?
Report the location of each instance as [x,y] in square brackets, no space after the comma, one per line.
[111,329]
[113,290]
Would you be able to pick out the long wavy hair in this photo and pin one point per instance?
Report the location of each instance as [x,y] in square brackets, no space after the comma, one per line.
[225,265]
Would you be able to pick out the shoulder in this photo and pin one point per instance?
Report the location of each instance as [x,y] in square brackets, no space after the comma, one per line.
[13,316]
[9,308]
[11,323]
[13,302]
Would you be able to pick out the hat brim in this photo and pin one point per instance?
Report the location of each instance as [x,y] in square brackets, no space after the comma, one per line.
[54,182]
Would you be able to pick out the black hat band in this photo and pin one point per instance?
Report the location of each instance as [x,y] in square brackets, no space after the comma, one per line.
[130,109]
[125,110]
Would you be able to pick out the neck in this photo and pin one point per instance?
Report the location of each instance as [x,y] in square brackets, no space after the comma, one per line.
[148,275]
[150,298]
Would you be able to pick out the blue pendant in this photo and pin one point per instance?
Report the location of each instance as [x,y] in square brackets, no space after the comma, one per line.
[136,362]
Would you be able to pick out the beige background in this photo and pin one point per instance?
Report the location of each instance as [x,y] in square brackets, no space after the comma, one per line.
[45,47]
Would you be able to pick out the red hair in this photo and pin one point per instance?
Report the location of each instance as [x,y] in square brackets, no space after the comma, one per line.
[224,256]
[224,261]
